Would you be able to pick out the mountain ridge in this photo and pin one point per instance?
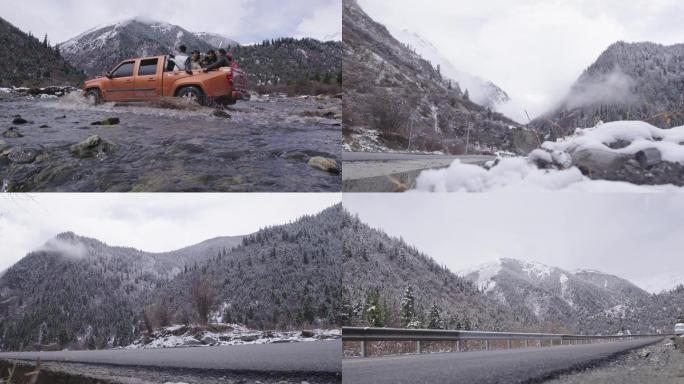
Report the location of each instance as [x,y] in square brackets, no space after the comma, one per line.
[26,61]
[627,81]
[79,293]
[393,91]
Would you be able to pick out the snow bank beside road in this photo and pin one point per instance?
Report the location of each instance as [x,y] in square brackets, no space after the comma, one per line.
[619,152]
[225,334]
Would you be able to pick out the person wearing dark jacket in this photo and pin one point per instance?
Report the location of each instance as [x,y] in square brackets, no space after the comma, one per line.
[208,59]
[223,61]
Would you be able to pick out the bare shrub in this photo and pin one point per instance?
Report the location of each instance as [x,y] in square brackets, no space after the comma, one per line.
[203,299]
[387,112]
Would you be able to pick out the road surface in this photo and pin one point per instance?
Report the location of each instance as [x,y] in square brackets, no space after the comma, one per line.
[393,172]
[486,367]
[306,357]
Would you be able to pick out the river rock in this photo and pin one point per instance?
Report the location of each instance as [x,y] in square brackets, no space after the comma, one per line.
[648,157]
[12,133]
[191,343]
[22,155]
[19,120]
[308,333]
[590,160]
[324,164]
[209,340]
[249,338]
[221,114]
[107,121]
[92,147]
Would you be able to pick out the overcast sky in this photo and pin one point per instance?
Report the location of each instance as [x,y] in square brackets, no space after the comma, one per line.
[637,237]
[533,49]
[152,222]
[246,21]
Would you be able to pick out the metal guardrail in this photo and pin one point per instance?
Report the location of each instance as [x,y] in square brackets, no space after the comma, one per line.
[367,334]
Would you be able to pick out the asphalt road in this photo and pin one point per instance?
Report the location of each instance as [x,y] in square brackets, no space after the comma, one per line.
[393,172]
[490,367]
[306,357]
[381,156]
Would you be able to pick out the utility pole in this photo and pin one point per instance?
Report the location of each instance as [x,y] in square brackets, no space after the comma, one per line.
[410,133]
[467,137]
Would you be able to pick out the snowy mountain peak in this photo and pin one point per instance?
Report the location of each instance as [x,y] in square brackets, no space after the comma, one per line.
[482,275]
[481,91]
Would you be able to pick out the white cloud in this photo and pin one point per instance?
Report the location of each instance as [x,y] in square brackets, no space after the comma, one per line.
[533,49]
[634,236]
[152,222]
[325,23]
[243,20]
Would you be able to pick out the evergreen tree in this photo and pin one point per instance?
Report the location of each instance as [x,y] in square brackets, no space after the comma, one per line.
[374,313]
[434,318]
[408,308]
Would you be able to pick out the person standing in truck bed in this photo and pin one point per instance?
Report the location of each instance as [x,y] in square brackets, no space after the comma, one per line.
[196,61]
[224,60]
[209,58]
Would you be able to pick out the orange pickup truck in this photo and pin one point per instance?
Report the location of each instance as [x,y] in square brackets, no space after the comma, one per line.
[154,77]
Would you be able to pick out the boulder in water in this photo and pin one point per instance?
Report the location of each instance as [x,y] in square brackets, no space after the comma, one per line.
[221,114]
[93,146]
[12,133]
[324,164]
[107,121]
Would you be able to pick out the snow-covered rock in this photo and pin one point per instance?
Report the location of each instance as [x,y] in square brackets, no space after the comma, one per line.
[225,334]
[617,156]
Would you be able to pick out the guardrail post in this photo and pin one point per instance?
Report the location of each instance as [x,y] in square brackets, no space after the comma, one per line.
[487,345]
[364,350]
[527,343]
[540,343]
[458,345]
[419,348]
[509,343]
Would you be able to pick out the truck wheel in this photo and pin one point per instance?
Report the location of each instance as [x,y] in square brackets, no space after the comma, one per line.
[192,95]
[94,96]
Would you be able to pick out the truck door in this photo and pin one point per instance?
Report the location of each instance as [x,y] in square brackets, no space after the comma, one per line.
[148,79]
[122,83]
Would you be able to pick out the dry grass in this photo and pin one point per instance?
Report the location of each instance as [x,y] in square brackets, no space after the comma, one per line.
[14,376]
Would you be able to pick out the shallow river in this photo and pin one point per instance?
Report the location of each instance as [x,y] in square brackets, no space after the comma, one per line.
[265,146]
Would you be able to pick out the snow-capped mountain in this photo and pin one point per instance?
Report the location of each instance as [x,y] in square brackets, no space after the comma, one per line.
[551,294]
[481,91]
[99,49]
[399,99]
[276,61]
[628,81]
[216,40]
